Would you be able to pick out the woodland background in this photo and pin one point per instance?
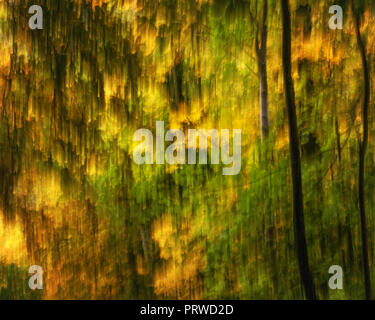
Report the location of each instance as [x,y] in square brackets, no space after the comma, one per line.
[73,201]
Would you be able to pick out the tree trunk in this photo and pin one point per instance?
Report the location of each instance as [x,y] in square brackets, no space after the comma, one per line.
[261,52]
[362,154]
[298,218]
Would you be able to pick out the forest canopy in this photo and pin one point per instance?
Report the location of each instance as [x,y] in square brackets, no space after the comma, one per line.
[74,201]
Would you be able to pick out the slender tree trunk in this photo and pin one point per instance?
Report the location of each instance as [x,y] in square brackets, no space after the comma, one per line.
[337,129]
[298,218]
[261,51]
[362,154]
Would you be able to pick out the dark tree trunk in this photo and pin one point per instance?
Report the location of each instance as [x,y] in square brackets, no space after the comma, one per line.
[298,218]
[362,154]
[261,51]
[338,139]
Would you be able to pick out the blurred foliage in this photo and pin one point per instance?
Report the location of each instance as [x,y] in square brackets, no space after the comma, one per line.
[74,202]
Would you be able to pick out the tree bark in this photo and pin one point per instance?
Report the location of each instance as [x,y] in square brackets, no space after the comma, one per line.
[362,153]
[298,217]
[261,51]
